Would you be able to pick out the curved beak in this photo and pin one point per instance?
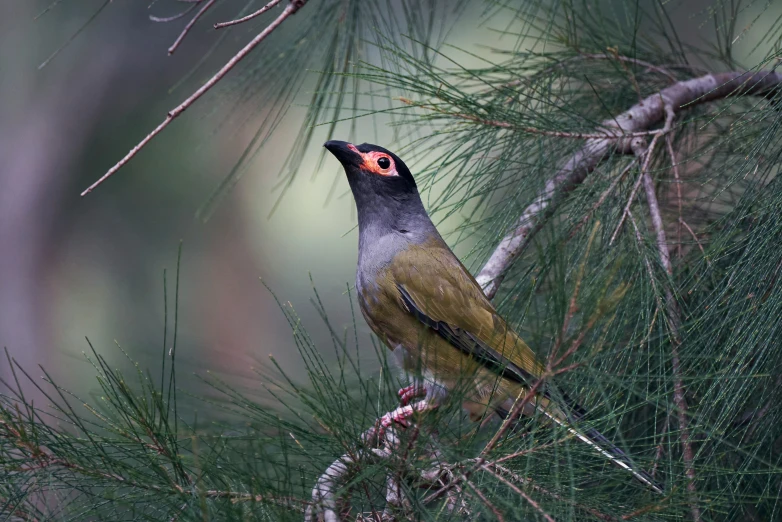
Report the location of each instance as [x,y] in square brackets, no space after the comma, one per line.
[345,152]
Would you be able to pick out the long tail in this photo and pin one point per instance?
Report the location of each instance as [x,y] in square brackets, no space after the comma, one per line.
[606,448]
[595,439]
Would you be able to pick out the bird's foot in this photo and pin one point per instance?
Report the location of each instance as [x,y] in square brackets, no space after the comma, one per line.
[409,393]
[399,416]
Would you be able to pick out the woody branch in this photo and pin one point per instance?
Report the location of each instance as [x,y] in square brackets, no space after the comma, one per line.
[620,132]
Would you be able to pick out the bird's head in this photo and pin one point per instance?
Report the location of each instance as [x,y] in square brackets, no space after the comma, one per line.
[372,168]
[386,196]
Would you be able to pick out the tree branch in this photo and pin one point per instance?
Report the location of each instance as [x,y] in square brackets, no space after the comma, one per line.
[290,10]
[249,17]
[190,25]
[638,118]
[674,317]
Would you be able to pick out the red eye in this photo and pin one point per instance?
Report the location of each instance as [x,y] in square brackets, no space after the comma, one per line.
[384,163]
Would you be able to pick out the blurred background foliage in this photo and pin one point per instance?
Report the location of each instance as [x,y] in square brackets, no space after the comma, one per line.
[241,180]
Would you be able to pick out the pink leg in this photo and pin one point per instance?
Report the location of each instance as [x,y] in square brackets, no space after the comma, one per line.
[399,416]
[408,393]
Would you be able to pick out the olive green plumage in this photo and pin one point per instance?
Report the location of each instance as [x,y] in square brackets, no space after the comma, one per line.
[429,279]
[426,307]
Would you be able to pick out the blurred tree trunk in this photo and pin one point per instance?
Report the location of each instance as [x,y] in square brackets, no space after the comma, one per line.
[44,128]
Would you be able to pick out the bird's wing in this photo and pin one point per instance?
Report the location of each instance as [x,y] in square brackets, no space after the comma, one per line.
[436,288]
[439,291]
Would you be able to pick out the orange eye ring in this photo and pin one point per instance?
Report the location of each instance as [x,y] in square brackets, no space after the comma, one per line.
[378,163]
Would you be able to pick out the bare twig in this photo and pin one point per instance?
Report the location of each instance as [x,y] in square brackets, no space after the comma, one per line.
[615,53]
[529,483]
[674,318]
[675,167]
[603,196]
[190,24]
[483,498]
[177,16]
[575,169]
[659,453]
[518,491]
[515,411]
[249,17]
[695,237]
[290,10]
[659,69]
[647,154]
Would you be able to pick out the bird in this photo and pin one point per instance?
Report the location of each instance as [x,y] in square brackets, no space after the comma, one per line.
[421,301]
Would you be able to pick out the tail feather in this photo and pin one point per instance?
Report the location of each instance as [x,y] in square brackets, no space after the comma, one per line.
[590,436]
[606,448]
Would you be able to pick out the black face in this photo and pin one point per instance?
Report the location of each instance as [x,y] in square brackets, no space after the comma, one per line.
[371,160]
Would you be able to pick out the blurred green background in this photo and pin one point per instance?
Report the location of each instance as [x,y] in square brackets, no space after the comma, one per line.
[72,267]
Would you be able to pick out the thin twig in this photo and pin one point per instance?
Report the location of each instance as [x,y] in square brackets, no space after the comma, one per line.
[249,17]
[526,451]
[166,19]
[675,321]
[189,26]
[594,56]
[515,411]
[615,52]
[290,10]
[675,167]
[603,196]
[660,447]
[626,209]
[647,153]
[695,237]
[528,482]
[519,492]
[483,498]
[479,461]
[627,59]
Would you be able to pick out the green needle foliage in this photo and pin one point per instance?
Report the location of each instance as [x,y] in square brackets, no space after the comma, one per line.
[673,346]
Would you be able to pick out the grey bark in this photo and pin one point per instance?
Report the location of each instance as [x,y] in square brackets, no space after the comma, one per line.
[640,117]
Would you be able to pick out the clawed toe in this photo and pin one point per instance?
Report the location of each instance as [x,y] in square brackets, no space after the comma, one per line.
[399,416]
[408,393]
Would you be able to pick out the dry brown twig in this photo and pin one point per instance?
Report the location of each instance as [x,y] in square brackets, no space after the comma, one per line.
[289,11]
[604,196]
[678,181]
[190,24]
[249,17]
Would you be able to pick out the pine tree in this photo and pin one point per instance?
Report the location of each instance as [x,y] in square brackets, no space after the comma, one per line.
[624,213]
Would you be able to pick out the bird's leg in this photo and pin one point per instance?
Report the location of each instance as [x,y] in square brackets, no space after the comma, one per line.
[408,393]
[399,416]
